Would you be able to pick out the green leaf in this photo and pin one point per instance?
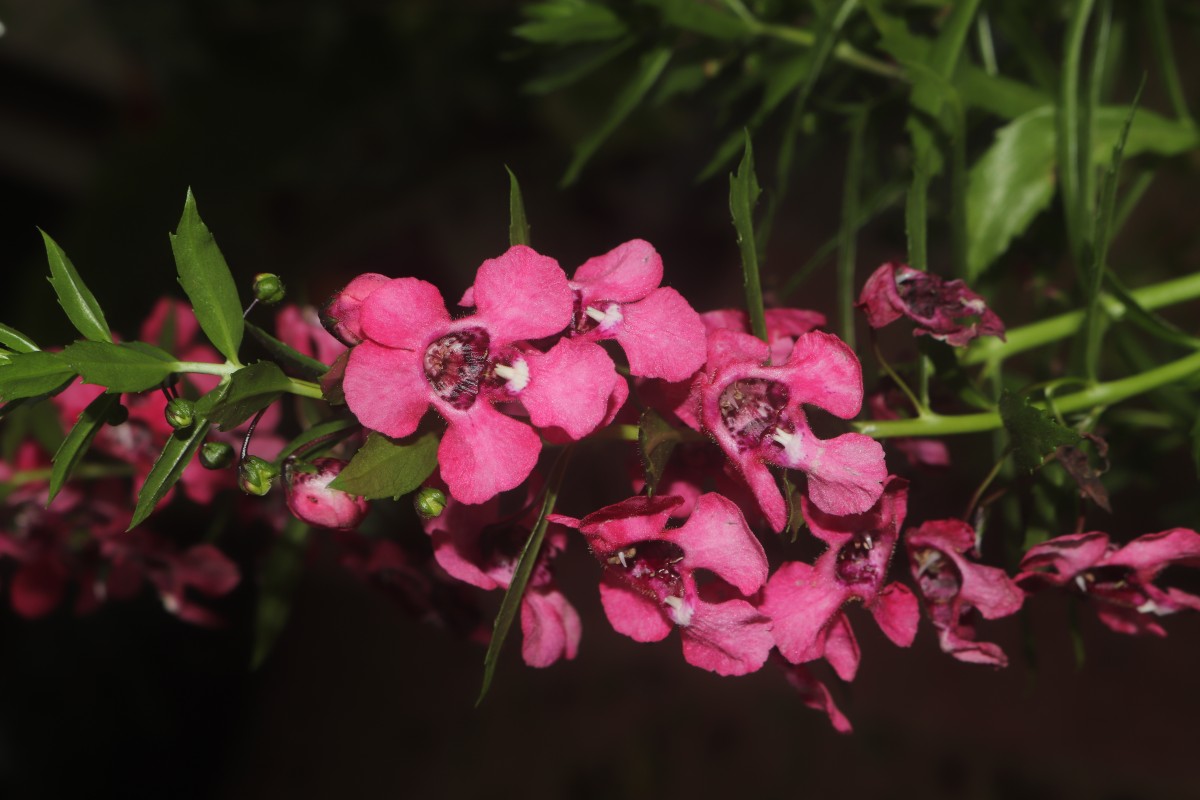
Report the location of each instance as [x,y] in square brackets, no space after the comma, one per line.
[511,603]
[656,442]
[288,357]
[569,22]
[651,66]
[277,580]
[382,468]
[33,374]
[1151,322]
[132,367]
[743,194]
[167,469]
[75,446]
[518,225]
[208,282]
[1033,434]
[1156,19]
[15,340]
[73,294]
[327,431]
[575,64]
[1069,135]
[700,17]
[248,391]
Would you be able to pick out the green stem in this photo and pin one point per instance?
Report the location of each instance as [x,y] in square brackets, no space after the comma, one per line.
[1101,394]
[295,385]
[1027,337]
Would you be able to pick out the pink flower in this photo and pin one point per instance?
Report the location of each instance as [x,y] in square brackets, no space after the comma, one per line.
[310,499]
[783,326]
[1118,580]
[650,582]
[806,603]
[755,413]
[413,356]
[341,316]
[476,546]
[955,589]
[946,310]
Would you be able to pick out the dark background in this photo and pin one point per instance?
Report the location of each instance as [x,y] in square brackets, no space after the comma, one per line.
[326,139]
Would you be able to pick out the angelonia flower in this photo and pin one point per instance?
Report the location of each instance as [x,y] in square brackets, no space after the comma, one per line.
[955,589]
[1119,581]
[945,310]
[310,498]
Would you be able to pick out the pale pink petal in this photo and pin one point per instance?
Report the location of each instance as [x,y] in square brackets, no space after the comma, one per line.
[731,348]
[662,336]
[628,272]
[898,613]
[1155,551]
[636,519]
[484,453]
[823,371]
[569,387]
[404,313]
[522,295]
[801,602]
[717,538]
[633,614]
[729,638]
[841,647]
[550,626]
[845,474]
[386,388]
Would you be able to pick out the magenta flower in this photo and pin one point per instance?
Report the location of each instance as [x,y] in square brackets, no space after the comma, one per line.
[413,356]
[475,546]
[341,316]
[806,603]
[650,584]
[955,589]
[310,499]
[946,310]
[783,326]
[755,413]
[1118,580]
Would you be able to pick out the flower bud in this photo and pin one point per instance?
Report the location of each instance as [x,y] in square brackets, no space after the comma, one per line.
[216,455]
[311,500]
[430,502]
[268,288]
[180,413]
[255,475]
[340,316]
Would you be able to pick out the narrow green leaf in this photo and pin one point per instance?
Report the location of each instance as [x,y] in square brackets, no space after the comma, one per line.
[743,194]
[15,340]
[249,390]
[382,468]
[1154,324]
[277,580]
[73,294]
[569,22]
[77,442]
[1068,130]
[286,356]
[518,225]
[326,433]
[120,367]
[25,375]
[167,469]
[651,66]
[656,442]
[1032,433]
[847,238]
[1156,17]
[208,282]
[511,603]
[681,79]
[708,20]
[575,64]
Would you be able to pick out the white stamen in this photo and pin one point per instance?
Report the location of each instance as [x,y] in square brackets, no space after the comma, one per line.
[681,613]
[782,437]
[1081,583]
[594,313]
[867,541]
[1150,607]
[621,558]
[607,319]
[516,375]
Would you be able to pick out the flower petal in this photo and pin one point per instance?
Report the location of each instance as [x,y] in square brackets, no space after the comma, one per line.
[801,603]
[550,627]
[662,336]
[729,638]
[716,538]
[628,272]
[845,474]
[404,312]
[823,371]
[386,388]
[484,453]
[569,386]
[522,295]
[632,614]
[898,613]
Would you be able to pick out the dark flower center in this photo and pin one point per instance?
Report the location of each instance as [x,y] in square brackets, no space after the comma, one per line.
[854,561]
[649,567]
[938,577]
[752,409]
[454,366]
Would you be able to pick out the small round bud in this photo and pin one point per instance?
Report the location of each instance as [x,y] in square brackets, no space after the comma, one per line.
[268,288]
[180,413]
[216,455]
[118,416]
[255,475]
[429,502]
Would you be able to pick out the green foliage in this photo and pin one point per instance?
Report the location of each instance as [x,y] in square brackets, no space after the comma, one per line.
[383,468]
[518,225]
[569,22]
[248,391]
[1033,434]
[16,341]
[74,296]
[26,375]
[167,469]
[77,442]
[124,367]
[743,194]
[286,356]
[208,282]
[656,441]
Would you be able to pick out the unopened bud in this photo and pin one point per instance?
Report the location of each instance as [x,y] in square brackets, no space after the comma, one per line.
[340,316]
[180,413]
[216,455]
[268,288]
[311,499]
[430,502]
[255,475]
